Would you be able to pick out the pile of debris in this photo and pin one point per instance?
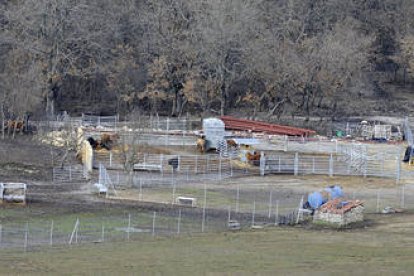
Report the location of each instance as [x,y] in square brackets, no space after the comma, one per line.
[329,206]
[340,212]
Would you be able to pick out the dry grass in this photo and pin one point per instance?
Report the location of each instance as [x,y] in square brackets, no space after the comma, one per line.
[372,251]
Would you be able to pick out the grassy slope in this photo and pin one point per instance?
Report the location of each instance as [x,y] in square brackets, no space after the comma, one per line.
[281,251]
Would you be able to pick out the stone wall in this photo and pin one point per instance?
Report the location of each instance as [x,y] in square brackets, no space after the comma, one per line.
[354,215]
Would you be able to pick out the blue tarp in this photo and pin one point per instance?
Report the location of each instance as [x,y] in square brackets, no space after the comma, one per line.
[315,200]
[334,191]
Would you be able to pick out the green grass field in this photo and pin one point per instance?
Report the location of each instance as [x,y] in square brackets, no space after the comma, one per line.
[270,252]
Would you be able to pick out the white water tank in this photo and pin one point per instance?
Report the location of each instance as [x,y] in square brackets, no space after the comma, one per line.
[214,132]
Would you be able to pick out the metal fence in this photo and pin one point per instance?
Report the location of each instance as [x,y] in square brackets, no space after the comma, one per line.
[407,132]
[253,205]
[162,164]
[380,165]
[69,174]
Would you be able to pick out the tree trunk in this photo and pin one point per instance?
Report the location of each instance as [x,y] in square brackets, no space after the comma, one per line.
[223,100]
[174,110]
[3,120]
[15,126]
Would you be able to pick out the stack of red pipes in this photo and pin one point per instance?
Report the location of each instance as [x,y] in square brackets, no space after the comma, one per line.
[232,123]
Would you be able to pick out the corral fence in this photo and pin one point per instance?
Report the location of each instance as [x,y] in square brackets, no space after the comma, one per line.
[100,121]
[163,164]
[69,174]
[157,139]
[383,164]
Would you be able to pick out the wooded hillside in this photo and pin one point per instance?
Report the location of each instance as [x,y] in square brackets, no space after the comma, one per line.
[278,57]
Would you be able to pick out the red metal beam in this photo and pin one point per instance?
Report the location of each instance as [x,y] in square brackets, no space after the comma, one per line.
[258,126]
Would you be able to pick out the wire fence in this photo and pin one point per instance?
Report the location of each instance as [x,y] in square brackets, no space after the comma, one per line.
[218,208]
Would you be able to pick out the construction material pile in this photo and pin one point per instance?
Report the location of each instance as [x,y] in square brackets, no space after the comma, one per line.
[340,212]
[340,206]
[232,123]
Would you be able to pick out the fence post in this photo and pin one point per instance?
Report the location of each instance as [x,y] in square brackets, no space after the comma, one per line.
[231,168]
[299,210]
[168,129]
[51,233]
[1,233]
[277,213]
[270,203]
[110,159]
[179,222]
[26,236]
[153,223]
[398,173]
[161,163]
[204,209]
[75,230]
[378,201]
[253,212]
[140,190]
[280,166]
[129,225]
[286,143]
[103,233]
[331,165]
[237,198]
[313,165]
[196,164]
[296,164]
[229,214]
[220,167]
[402,200]
[173,186]
[262,163]
[70,173]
